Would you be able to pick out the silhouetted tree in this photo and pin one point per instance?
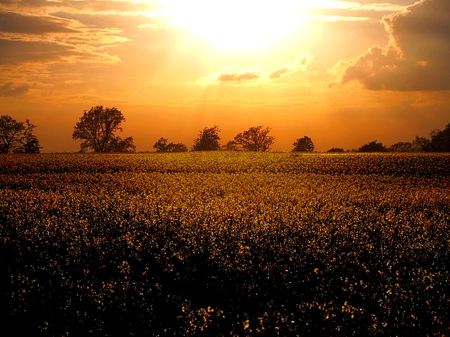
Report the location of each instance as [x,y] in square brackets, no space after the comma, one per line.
[30,143]
[420,144]
[10,133]
[96,129]
[373,146]
[17,136]
[304,144]
[118,144]
[336,150]
[230,146]
[176,147]
[161,145]
[401,147]
[256,138]
[440,140]
[208,140]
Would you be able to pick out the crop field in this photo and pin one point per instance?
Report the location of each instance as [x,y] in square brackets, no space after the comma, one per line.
[225,244]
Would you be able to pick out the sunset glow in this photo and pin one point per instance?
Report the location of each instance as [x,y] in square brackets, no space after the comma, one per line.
[234,24]
[343,73]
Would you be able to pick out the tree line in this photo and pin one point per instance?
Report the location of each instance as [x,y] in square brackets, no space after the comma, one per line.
[97,129]
[17,137]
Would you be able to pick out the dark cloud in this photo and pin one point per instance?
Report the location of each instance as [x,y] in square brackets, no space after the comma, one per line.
[25,3]
[81,6]
[113,6]
[16,52]
[238,77]
[125,23]
[9,89]
[418,57]
[16,23]
[68,31]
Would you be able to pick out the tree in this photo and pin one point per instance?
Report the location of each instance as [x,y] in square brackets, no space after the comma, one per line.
[161,145]
[336,150]
[254,139]
[176,147]
[17,136]
[10,133]
[304,144]
[208,140]
[401,147]
[373,146]
[96,129]
[440,140]
[230,146]
[118,144]
[30,143]
[420,144]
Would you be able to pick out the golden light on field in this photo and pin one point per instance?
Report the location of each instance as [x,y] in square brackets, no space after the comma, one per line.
[342,72]
[235,24]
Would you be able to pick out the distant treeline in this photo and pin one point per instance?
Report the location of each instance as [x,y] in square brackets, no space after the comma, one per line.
[97,127]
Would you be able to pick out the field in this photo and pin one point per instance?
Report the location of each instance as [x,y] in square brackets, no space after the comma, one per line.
[225,244]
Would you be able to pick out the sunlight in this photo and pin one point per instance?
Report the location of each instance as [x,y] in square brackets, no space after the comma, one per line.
[238,24]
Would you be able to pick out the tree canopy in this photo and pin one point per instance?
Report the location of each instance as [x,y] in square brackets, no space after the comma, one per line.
[304,144]
[97,128]
[336,150]
[256,138]
[440,140]
[207,140]
[17,136]
[162,145]
[373,146]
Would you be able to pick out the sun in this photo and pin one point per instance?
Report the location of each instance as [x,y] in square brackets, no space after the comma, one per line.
[239,24]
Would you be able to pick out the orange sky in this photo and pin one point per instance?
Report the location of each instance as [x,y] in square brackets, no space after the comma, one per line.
[341,72]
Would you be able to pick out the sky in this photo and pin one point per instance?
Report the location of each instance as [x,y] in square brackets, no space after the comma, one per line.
[343,73]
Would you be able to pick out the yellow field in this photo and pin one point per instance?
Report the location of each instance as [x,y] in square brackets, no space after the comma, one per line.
[225,243]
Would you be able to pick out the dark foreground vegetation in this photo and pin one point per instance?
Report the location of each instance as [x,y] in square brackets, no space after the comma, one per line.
[225,244]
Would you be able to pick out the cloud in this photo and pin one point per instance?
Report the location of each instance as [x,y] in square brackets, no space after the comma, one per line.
[43,38]
[239,76]
[64,31]
[417,57]
[350,10]
[300,63]
[98,7]
[354,11]
[24,24]
[9,89]
[255,74]
[16,52]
